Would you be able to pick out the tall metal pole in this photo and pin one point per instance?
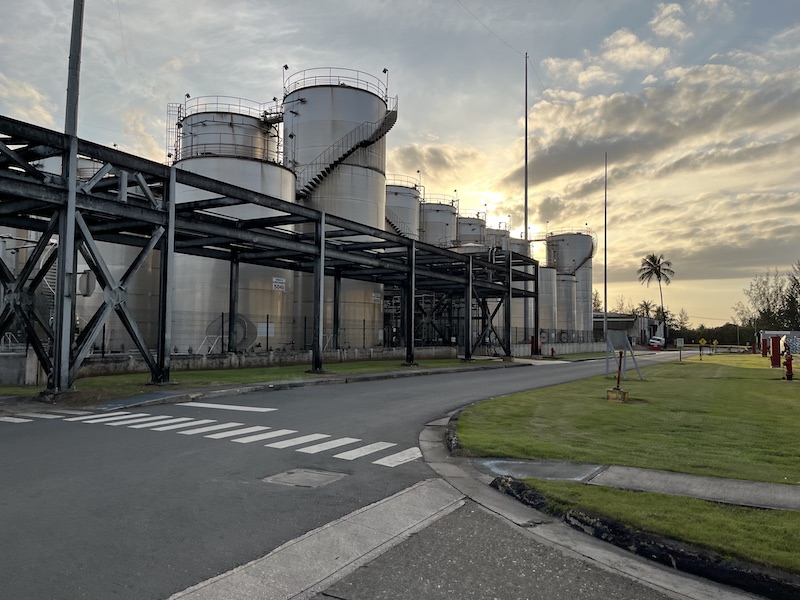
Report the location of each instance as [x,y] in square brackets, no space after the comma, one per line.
[526,303]
[605,259]
[65,273]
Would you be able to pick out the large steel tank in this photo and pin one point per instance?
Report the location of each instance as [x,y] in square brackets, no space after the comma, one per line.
[471,230]
[519,305]
[230,139]
[565,295]
[571,252]
[548,311]
[498,238]
[403,199]
[439,221]
[329,114]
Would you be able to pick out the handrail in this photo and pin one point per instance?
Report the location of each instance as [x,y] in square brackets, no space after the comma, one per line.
[230,104]
[319,76]
[405,228]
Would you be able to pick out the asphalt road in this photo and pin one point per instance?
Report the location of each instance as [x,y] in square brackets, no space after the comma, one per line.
[122,510]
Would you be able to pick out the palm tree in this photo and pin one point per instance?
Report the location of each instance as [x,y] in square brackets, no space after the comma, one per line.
[645,308]
[660,269]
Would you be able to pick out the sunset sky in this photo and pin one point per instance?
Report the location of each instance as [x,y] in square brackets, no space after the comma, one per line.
[697,104]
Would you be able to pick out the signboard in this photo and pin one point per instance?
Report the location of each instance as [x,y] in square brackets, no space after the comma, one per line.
[703,341]
[679,342]
[279,284]
[377,298]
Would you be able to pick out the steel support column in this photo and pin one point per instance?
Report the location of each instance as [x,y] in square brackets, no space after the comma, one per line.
[164,343]
[337,299]
[411,292]
[319,295]
[233,303]
[508,296]
[468,313]
[64,316]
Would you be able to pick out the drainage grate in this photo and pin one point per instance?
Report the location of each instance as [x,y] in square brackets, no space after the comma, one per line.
[304,478]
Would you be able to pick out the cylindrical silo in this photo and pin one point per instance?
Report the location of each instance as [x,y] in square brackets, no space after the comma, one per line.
[471,230]
[403,199]
[571,253]
[548,312]
[439,222]
[229,140]
[335,121]
[498,238]
[565,295]
[519,305]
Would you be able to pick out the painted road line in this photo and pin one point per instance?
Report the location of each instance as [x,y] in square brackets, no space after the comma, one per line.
[109,419]
[68,411]
[156,423]
[298,441]
[259,409]
[185,424]
[37,415]
[137,420]
[211,428]
[328,445]
[399,458]
[265,436]
[364,450]
[96,415]
[14,420]
[227,434]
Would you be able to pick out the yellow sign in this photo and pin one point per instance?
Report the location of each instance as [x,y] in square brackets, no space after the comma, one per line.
[716,342]
[703,341]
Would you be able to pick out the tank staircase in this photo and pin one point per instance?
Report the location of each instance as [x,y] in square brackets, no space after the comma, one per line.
[366,134]
[398,226]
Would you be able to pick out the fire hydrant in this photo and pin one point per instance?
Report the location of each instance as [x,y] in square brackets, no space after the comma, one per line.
[552,352]
[788,364]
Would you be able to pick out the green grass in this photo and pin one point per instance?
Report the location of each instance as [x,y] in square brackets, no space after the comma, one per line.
[89,390]
[766,537]
[727,416]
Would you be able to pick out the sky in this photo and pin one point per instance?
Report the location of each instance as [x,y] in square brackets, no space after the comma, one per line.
[695,103]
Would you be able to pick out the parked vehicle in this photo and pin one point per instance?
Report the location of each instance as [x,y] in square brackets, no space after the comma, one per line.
[657,343]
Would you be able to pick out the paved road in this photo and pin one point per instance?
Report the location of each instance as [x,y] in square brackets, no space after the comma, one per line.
[144,509]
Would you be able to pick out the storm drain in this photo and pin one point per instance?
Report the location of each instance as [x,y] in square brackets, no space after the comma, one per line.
[308,478]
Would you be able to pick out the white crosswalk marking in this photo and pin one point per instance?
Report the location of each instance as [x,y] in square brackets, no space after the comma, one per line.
[211,428]
[14,420]
[156,423]
[69,411]
[328,445]
[95,416]
[109,419]
[136,420]
[298,441]
[364,450]
[38,415]
[227,434]
[265,436]
[399,458]
[191,423]
[260,409]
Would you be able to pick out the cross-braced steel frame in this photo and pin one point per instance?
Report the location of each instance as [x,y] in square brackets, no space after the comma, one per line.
[131,201]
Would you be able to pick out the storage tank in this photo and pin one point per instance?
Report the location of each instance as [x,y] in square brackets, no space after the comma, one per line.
[565,311]
[571,252]
[439,221]
[518,305]
[471,230]
[548,312]
[236,141]
[497,238]
[335,121]
[403,199]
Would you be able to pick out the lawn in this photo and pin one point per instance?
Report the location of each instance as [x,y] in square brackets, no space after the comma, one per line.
[727,416]
[90,390]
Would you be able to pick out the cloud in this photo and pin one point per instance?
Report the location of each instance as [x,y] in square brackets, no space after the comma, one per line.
[626,51]
[668,22]
[25,102]
[138,123]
